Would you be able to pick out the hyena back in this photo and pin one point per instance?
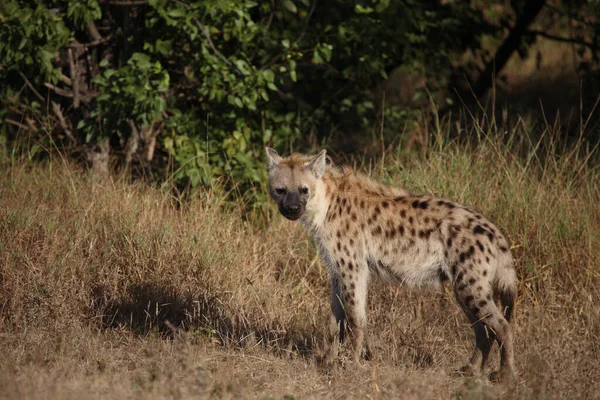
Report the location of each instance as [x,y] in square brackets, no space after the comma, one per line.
[367,230]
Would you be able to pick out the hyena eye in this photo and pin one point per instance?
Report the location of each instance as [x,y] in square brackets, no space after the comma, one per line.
[304,190]
[280,191]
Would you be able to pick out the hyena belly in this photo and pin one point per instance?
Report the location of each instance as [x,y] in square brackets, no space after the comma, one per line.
[412,269]
[404,245]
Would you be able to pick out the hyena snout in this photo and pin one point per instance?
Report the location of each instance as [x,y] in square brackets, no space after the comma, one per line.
[292,207]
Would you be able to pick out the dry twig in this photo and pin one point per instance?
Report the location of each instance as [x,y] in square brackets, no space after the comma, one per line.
[61,119]
[59,91]
[97,42]
[74,79]
[30,86]
[17,124]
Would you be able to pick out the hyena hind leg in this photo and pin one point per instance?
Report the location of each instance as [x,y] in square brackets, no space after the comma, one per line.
[484,337]
[484,340]
[503,331]
[489,325]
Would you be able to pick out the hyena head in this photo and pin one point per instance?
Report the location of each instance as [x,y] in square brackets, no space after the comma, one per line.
[293,180]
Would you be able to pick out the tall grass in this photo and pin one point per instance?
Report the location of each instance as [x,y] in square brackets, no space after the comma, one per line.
[103,280]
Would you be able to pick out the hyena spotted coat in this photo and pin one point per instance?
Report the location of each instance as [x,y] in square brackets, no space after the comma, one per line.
[368,230]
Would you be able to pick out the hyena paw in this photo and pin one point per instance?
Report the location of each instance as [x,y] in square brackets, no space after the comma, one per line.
[466,371]
[367,355]
[505,376]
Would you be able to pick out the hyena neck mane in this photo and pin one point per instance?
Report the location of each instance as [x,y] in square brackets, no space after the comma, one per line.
[341,186]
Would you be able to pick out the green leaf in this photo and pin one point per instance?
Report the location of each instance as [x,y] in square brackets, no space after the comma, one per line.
[163,46]
[108,73]
[363,10]
[269,75]
[242,66]
[316,59]
[168,144]
[235,101]
[289,4]
[195,176]
[141,59]
[326,50]
[267,134]
[177,12]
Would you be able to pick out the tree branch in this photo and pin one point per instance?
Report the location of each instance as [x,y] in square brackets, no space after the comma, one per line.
[569,15]
[15,123]
[127,3]
[62,121]
[266,30]
[30,86]
[132,142]
[298,39]
[86,98]
[307,21]
[93,31]
[59,91]
[66,80]
[508,47]
[150,135]
[210,42]
[74,79]
[77,45]
[16,110]
[562,39]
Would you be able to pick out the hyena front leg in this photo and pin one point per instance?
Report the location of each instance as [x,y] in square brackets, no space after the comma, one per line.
[337,320]
[348,310]
[355,287]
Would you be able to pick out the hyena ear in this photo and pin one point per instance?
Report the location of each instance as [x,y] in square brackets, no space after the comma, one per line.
[273,157]
[318,163]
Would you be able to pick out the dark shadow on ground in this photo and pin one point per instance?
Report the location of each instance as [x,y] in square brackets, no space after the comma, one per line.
[151,307]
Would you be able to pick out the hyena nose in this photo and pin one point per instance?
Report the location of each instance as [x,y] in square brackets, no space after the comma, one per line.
[293,208]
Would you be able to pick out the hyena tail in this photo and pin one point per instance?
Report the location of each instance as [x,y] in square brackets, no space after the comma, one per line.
[505,289]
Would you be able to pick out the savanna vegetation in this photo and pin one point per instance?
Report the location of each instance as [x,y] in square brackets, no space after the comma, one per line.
[140,258]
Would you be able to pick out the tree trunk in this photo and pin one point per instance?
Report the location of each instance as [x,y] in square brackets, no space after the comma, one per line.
[98,156]
[508,47]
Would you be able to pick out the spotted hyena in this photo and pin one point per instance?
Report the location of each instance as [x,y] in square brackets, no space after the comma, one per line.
[368,230]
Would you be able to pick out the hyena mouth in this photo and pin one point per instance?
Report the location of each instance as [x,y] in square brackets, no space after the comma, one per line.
[292,217]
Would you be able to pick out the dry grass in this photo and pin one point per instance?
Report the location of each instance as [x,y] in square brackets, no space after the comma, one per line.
[115,290]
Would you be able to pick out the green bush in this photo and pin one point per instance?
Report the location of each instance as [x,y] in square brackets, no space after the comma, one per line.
[30,37]
[206,84]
